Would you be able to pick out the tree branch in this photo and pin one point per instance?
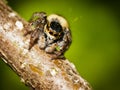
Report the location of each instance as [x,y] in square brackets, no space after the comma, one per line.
[34,67]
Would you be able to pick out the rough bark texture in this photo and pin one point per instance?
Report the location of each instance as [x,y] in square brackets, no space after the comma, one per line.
[34,67]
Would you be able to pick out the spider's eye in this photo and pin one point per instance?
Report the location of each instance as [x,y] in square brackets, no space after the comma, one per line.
[56,26]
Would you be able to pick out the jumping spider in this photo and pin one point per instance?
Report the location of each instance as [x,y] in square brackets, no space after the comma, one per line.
[50,32]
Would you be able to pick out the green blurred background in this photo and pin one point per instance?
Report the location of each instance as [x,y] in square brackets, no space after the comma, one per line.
[95,50]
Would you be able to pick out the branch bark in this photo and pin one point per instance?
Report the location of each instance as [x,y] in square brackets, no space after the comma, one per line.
[34,67]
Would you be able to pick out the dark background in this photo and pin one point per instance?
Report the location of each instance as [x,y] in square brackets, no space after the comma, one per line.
[95,50]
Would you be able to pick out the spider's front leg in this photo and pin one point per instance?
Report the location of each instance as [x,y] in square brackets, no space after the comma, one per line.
[37,15]
[37,20]
[37,23]
[42,41]
[33,38]
[51,48]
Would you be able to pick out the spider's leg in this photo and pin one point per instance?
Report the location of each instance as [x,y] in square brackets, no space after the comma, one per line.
[34,21]
[34,37]
[42,41]
[51,48]
[37,15]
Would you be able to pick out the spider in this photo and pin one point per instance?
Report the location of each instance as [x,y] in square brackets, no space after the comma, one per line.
[51,33]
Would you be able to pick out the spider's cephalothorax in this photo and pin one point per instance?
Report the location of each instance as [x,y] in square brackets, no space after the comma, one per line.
[51,33]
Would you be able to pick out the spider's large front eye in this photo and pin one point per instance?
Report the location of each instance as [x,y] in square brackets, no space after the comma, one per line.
[56,26]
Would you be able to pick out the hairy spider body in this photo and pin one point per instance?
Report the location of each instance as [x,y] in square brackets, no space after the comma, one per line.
[51,33]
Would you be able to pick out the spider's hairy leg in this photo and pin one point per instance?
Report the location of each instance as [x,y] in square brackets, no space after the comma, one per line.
[34,21]
[42,41]
[37,15]
[51,48]
[33,38]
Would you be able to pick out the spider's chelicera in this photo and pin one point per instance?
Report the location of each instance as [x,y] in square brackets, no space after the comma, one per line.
[51,33]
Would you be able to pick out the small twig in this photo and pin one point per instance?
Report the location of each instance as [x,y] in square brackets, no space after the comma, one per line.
[35,67]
